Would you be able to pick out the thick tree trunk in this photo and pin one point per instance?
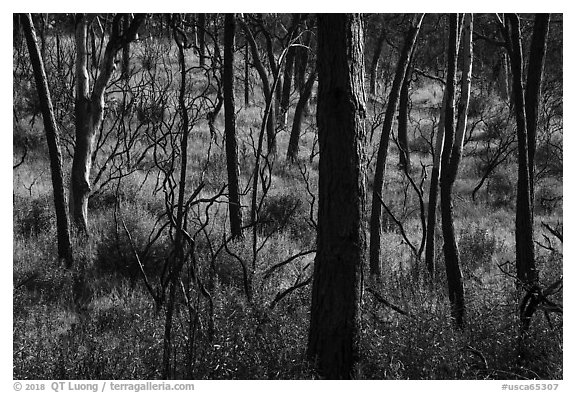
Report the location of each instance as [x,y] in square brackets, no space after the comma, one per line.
[403,113]
[375,219]
[376,61]
[53,139]
[201,31]
[533,83]
[294,143]
[451,159]
[230,128]
[333,339]
[525,264]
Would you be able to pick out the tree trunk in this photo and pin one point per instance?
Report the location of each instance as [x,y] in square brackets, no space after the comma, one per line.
[430,256]
[403,113]
[230,128]
[451,156]
[288,71]
[89,110]
[333,339]
[126,51]
[294,143]
[376,61]
[53,139]
[301,61]
[525,264]
[246,77]
[201,39]
[375,219]
[533,83]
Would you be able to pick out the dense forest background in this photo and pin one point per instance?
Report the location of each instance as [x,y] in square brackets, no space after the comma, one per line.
[287,196]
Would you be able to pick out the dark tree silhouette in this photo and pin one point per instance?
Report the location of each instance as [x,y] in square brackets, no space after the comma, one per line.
[53,139]
[334,321]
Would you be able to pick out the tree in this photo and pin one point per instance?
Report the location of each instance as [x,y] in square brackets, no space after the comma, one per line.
[294,143]
[288,70]
[89,108]
[375,219]
[201,31]
[53,139]
[525,264]
[451,155]
[336,291]
[403,113]
[230,127]
[533,83]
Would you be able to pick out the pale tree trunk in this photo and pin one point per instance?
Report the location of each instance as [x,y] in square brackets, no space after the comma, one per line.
[525,264]
[230,128]
[403,114]
[451,156]
[375,219]
[430,251]
[334,333]
[89,110]
[53,139]
[533,84]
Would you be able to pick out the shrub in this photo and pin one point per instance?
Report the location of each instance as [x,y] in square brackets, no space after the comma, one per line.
[32,217]
[286,213]
[477,246]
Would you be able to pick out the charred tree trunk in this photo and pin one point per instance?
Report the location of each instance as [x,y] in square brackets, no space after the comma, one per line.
[294,143]
[301,61]
[403,113]
[375,219]
[126,51]
[336,292]
[451,156]
[53,139]
[201,31]
[533,83]
[525,264]
[288,71]
[376,61]
[230,128]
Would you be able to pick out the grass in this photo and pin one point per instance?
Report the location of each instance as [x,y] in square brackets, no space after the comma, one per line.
[98,321]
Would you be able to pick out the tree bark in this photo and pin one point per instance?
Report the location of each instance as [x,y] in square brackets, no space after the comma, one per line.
[403,113]
[333,339]
[525,264]
[89,109]
[533,84]
[451,156]
[375,219]
[294,143]
[246,76]
[53,139]
[230,128]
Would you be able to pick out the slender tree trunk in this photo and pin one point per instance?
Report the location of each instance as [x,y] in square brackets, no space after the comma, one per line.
[376,61]
[451,156]
[270,122]
[333,340]
[294,143]
[525,264]
[301,61]
[375,219]
[403,113]
[288,71]
[53,139]
[430,256]
[230,127]
[126,51]
[202,39]
[533,83]
[246,76]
